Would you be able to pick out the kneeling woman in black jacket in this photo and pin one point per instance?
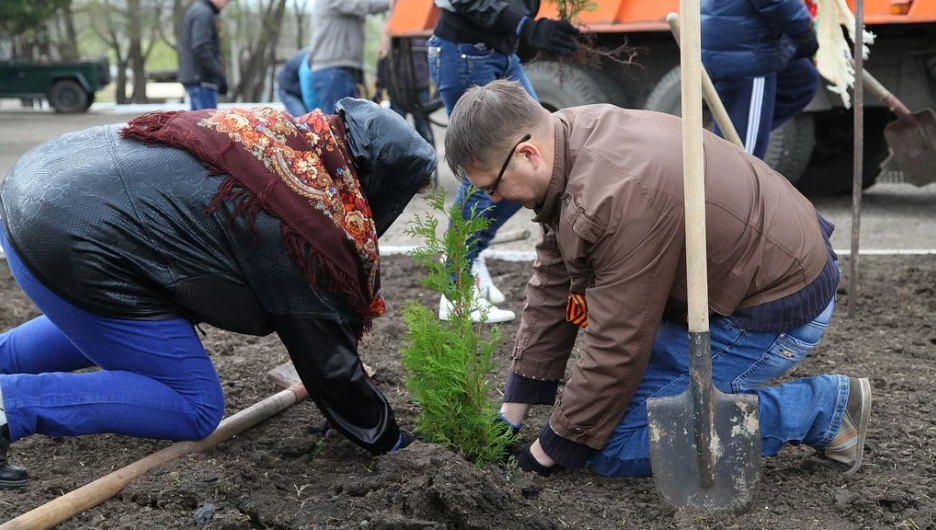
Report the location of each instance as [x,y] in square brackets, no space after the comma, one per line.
[246,219]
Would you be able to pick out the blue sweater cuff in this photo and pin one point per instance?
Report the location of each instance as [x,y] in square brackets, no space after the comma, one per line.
[532,391]
[565,452]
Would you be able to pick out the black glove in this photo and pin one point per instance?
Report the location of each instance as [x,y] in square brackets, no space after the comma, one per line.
[527,462]
[222,87]
[806,45]
[553,36]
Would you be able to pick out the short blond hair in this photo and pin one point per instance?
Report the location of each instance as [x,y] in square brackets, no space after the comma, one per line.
[487,121]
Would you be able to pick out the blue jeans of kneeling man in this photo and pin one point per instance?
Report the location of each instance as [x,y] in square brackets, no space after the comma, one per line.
[155,379]
[803,411]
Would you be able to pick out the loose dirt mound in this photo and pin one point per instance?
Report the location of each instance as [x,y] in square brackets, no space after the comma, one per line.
[281,476]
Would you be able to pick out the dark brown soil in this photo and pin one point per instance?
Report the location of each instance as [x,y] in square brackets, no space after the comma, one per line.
[279,475]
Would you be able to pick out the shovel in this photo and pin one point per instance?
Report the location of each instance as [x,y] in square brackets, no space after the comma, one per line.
[912,138]
[704,445]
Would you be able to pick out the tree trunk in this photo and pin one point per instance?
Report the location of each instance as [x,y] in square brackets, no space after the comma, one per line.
[121,86]
[255,73]
[70,48]
[135,54]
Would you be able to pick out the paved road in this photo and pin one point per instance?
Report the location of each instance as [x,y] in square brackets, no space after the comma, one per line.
[894,216]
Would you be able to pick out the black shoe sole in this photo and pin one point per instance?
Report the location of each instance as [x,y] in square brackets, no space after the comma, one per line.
[11,484]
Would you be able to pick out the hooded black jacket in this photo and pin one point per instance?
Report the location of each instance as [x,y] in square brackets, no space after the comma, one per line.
[119,229]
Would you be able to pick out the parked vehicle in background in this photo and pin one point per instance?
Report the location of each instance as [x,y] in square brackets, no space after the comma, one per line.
[68,87]
[813,150]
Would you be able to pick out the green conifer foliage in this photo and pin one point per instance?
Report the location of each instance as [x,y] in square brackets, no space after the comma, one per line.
[448,363]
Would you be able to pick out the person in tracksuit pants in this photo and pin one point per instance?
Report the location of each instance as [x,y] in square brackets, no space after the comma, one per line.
[759,56]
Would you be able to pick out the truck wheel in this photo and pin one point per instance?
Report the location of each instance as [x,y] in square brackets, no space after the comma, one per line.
[790,145]
[667,97]
[68,96]
[569,85]
[830,171]
[91,97]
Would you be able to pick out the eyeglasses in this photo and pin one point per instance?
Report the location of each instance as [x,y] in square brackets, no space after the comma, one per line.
[492,189]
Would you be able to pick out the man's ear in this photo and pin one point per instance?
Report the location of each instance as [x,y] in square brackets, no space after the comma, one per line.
[531,153]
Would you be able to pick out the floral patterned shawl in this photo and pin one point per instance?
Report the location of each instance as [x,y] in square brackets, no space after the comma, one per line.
[297,170]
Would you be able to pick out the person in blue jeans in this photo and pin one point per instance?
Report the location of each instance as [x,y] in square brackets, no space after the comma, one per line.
[201,71]
[126,247]
[475,42]
[759,56]
[337,55]
[608,193]
[295,92]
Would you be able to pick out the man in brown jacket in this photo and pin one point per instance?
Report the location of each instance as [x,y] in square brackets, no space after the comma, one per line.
[606,186]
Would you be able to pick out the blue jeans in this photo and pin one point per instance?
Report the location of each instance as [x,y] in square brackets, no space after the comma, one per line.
[202,97]
[309,97]
[420,121]
[293,104]
[454,68]
[804,411]
[332,84]
[759,105]
[156,379]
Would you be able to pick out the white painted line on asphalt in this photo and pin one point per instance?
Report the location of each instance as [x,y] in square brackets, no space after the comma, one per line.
[524,255]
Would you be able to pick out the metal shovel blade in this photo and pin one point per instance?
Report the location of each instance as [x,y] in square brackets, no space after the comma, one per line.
[694,466]
[913,142]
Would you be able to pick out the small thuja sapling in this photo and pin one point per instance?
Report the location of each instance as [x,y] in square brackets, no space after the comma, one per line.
[448,362]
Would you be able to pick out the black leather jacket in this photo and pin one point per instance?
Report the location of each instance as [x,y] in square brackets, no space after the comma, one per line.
[119,229]
[492,22]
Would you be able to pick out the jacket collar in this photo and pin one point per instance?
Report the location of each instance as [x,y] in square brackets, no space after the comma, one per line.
[549,212]
[212,6]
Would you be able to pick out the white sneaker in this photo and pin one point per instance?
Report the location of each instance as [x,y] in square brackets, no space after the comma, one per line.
[494,313]
[485,283]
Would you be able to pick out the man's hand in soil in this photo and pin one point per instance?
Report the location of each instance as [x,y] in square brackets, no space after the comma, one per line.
[553,36]
[534,459]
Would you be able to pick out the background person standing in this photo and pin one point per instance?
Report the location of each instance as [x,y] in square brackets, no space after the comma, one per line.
[337,55]
[200,68]
[474,43]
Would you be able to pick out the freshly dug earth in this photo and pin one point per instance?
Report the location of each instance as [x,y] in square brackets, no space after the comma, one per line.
[280,475]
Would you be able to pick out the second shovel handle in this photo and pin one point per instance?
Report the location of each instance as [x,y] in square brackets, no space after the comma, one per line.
[885,95]
[711,96]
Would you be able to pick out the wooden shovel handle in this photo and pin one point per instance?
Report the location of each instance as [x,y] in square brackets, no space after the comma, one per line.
[94,493]
[885,95]
[711,96]
[694,170]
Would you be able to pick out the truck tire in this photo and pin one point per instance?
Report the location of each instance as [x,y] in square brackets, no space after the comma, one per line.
[569,85]
[830,172]
[667,97]
[790,145]
[68,96]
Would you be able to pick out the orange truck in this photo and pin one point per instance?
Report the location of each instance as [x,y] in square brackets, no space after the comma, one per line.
[813,150]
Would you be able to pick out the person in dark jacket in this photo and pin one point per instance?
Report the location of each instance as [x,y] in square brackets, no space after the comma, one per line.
[228,218]
[759,56]
[199,48]
[293,90]
[474,43]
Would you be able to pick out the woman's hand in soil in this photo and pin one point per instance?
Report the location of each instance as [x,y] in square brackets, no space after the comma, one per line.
[405,439]
[553,36]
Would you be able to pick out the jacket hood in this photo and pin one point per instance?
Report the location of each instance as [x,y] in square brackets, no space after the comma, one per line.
[393,162]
